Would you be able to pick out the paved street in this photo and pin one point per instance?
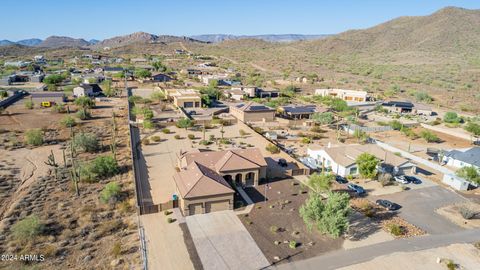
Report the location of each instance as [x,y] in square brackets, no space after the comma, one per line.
[223,242]
[341,258]
[418,208]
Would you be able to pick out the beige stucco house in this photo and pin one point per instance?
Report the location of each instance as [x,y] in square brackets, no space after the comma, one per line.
[184,98]
[205,178]
[252,112]
[347,95]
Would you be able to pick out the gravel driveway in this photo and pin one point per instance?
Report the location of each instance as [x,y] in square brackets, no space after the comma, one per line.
[418,208]
[222,242]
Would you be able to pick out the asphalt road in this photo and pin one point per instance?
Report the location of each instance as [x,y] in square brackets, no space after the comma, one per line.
[419,205]
[342,258]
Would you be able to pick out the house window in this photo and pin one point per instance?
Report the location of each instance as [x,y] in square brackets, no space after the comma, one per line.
[353,170]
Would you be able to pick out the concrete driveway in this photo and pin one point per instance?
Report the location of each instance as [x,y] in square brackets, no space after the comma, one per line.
[223,242]
[418,208]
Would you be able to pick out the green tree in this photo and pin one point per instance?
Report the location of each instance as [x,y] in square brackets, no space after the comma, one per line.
[330,216]
[110,191]
[85,102]
[288,91]
[3,94]
[34,137]
[451,117]
[473,128]
[321,182]
[107,88]
[184,123]
[323,118]
[159,66]
[367,165]
[470,173]
[142,73]
[423,97]
[54,79]
[27,229]
[339,105]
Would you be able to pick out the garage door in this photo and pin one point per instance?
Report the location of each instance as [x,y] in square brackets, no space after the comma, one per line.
[217,206]
[195,208]
[188,104]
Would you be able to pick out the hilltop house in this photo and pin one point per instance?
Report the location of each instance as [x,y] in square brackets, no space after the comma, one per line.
[252,112]
[347,95]
[341,160]
[205,178]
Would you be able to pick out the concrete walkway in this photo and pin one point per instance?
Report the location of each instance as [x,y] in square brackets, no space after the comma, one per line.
[419,160]
[222,242]
[342,258]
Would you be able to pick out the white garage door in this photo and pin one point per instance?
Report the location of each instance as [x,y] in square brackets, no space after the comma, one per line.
[216,206]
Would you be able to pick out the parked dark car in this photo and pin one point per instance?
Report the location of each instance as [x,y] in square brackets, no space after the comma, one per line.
[358,189]
[282,162]
[340,179]
[413,179]
[388,205]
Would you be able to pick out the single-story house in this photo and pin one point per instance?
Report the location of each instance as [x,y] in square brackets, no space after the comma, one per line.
[204,182]
[89,90]
[299,112]
[267,93]
[235,94]
[347,95]
[206,79]
[249,91]
[160,77]
[407,107]
[184,98]
[252,112]
[39,97]
[461,158]
[341,160]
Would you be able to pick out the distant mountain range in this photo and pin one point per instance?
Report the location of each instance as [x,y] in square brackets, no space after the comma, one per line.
[214,38]
[142,37]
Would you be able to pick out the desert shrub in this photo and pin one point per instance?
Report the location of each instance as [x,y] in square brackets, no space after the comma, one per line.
[145,141]
[429,137]
[147,124]
[83,114]
[191,136]
[274,229]
[170,220]
[396,125]
[100,167]
[292,244]
[451,265]
[29,104]
[306,140]
[385,179]
[166,130]
[242,132]
[272,149]
[59,108]
[177,137]
[423,97]
[110,191]
[477,245]
[27,228]
[87,142]
[467,212]
[34,137]
[258,130]
[451,117]
[155,138]
[116,249]
[225,141]
[396,229]
[166,212]
[68,121]
[205,142]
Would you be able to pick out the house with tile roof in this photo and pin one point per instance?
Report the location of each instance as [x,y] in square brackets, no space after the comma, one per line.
[204,182]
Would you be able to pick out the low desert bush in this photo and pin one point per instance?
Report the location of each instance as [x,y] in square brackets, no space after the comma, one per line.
[99,168]
[110,192]
[177,137]
[292,244]
[191,136]
[155,138]
[87,142]
[272,149]
[68,121]
[274,229]
[396,229]
[27,228]
[166,131]
[34,137]
[116,249]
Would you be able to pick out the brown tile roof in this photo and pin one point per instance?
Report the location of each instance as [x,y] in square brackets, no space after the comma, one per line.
[234,159]
[198,181]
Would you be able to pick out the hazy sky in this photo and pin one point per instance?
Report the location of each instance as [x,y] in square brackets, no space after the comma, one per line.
[106,18]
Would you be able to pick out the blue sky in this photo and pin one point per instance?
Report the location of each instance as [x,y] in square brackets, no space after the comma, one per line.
[106,18]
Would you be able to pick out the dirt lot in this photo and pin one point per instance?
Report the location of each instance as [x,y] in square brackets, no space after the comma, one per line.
[78,232]
[284,198]
[452,213]
[18,118]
